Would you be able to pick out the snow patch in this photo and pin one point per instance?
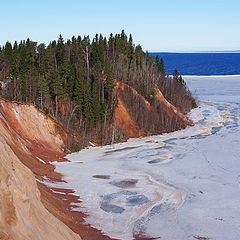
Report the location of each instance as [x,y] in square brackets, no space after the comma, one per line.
[40,160]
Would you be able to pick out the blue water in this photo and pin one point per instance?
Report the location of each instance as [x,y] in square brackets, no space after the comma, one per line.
[201,63]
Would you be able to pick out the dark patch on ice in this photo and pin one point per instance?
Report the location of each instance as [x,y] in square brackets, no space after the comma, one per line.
[139,237]
[171,141]
[121,149]
[215,130]
[179,156]
[108,207]
[206,113]
[197,137]
[155,161]
[132,200]
[146,153]
[136,200]
[155,210]
[102,176]
[139,226]
[201,238]
[226,124]
[161,208]
[235,119]
[233,126]
[201,122]
[125,183]
[128,193]
[220,108]
[112,196]
[165,147]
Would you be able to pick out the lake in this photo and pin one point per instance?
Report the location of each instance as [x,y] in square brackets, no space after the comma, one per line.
[201,63]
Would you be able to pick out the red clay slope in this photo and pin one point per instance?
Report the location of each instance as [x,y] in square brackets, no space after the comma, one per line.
[134,116]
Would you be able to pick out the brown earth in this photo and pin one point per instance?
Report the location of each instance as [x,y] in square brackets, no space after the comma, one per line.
[132,121]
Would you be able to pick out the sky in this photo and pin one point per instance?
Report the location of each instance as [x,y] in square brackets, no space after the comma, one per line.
[158,25]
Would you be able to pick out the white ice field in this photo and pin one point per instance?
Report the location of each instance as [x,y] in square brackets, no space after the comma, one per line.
[177,186]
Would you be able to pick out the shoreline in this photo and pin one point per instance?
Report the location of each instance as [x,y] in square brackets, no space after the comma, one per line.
[211,76]
[120,149]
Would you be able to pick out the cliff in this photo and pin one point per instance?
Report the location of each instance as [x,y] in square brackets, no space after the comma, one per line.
[23,130]
[134,116]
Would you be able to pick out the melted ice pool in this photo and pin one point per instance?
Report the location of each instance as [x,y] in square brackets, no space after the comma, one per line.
[182,185]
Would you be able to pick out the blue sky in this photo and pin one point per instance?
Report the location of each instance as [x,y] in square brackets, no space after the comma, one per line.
[158,25]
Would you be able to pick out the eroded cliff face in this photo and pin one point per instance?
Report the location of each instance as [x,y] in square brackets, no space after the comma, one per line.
[26,134]
[134,116]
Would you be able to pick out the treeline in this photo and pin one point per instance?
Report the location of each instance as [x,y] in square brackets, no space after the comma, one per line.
[74,80]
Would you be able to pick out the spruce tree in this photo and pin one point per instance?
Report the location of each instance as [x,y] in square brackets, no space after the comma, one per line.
[78,92]
[162,67]
[8,52]
[176,75]
[157,62]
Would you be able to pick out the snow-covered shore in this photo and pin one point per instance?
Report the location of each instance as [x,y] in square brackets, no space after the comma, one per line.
[181,185]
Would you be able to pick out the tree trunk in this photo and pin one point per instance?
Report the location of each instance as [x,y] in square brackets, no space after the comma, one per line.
[71,115]
[87,59]
[113,133]
[56,101]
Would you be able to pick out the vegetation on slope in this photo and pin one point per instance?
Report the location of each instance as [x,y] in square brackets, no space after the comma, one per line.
[74,80]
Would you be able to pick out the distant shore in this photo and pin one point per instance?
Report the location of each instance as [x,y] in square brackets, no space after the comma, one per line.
[211,76]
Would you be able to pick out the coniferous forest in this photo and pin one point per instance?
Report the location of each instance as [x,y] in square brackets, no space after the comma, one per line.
[73,80]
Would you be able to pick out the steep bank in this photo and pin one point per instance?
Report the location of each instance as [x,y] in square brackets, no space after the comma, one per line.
[134,116]
[22,213]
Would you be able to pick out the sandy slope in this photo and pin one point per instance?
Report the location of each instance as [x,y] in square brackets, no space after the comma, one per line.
[22,214]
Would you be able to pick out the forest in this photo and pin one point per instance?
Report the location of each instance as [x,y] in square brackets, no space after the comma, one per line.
[73,81]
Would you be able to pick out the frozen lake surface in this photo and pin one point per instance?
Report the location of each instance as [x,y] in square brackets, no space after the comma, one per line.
[182,185]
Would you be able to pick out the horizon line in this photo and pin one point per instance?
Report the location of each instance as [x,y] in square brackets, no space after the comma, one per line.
[202,51]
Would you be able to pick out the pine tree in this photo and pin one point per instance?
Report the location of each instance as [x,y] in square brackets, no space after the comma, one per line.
[176,75]
[78,94]
[56,88]
[157,63]
[96,107]
[87,108]
[74,51]
[109,81]
[61,57]
[130,49]
[162,68]
[70,80]
[8,52]
[181,80]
